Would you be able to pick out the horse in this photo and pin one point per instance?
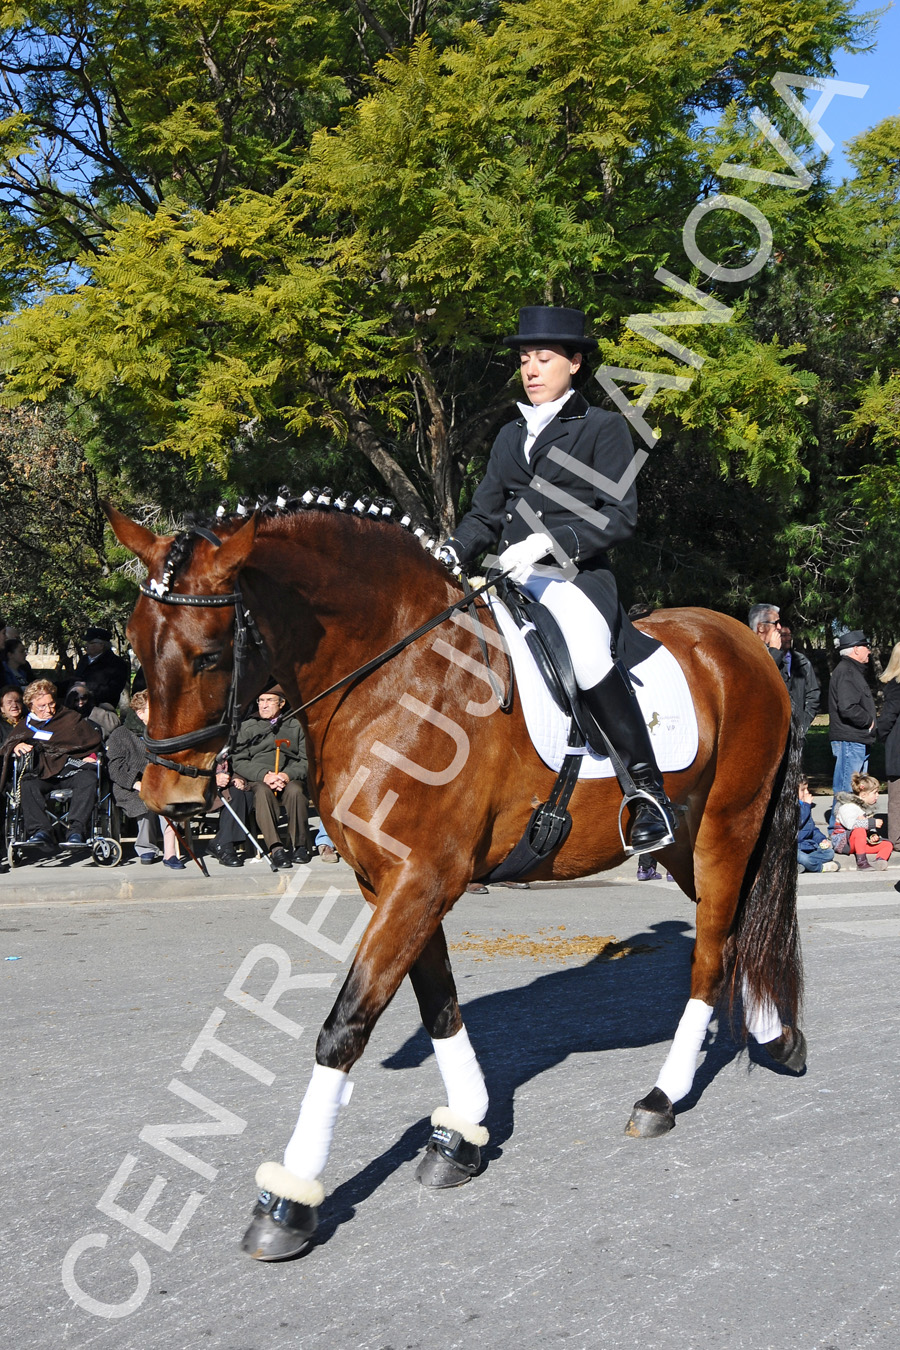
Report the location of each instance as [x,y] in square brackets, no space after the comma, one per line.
[425,778]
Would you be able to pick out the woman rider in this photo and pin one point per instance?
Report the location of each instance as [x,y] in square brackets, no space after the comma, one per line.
[558,482]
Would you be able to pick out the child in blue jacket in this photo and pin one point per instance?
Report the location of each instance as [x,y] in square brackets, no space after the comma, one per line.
[814,852]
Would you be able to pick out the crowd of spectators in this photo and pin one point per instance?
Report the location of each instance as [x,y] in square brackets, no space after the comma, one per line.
[85,733]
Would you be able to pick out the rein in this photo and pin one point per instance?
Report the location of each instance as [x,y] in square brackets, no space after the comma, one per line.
[245,633]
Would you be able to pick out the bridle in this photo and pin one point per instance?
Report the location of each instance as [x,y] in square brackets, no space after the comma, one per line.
[246,635]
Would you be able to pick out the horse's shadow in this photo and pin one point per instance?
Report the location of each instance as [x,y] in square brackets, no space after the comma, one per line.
[522,1032]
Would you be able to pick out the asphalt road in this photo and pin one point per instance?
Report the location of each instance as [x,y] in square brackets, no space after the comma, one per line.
[767,1218]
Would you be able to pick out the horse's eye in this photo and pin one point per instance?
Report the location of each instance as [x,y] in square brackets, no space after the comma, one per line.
[206,661]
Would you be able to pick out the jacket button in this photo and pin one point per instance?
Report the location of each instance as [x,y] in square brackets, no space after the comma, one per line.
[508,516]
[539,514]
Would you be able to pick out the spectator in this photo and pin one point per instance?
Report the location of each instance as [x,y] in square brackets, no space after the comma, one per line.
[64,748]
[765,623]
[11,709]
[855,830]
[887,729]
[254,763]
[851,712]
[814,852]
[104,673]
[81,699]
[802,684]
[16,669]
[126,760]
[325,844]
[229,834]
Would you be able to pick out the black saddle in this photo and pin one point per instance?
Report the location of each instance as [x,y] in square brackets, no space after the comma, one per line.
[547,645]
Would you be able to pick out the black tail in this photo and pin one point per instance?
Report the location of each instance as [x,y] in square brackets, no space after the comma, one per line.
[765,944]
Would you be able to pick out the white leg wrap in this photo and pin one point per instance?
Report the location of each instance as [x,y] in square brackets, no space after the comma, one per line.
[763,1019]
[677,1073]
[463,1079]
[309,1145]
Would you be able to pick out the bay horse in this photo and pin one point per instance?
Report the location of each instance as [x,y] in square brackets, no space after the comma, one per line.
[425,781]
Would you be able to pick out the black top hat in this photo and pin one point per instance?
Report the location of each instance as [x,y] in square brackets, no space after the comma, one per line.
[551,324]
[95,633]
[854,638]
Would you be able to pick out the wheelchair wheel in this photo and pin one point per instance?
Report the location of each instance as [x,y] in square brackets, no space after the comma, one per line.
[12,830]
[106,852]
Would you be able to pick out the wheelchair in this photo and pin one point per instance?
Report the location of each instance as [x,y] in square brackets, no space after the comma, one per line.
[103,840]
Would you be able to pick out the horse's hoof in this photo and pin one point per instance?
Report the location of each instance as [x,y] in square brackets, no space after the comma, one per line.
[789,1049]
[280,1228]
[450,1160]
[652,1116]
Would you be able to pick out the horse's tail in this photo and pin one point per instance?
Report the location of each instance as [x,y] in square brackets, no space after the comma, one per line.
[764,948]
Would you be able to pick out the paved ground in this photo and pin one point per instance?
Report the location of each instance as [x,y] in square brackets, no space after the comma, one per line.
[768,1218]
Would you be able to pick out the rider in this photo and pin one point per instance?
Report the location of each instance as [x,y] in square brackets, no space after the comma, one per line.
[558,482]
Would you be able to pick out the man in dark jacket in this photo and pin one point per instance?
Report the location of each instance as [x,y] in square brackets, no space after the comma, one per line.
[851,711]
[263,742]
[104,673]
[802,684]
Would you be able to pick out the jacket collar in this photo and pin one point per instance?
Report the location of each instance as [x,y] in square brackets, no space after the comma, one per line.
[574,410]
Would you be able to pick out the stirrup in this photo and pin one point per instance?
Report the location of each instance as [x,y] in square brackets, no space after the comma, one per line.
[665,812]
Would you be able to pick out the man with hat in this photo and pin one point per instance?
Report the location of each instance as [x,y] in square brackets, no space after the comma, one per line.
[851,711]
[104,673]
[269,759]
[552,487]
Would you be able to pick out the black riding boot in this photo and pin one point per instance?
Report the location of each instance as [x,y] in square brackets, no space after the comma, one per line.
[614,706]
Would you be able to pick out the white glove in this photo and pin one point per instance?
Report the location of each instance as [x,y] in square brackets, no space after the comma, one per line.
[517,560]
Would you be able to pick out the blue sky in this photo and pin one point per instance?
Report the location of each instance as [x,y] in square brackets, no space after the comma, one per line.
[847,117]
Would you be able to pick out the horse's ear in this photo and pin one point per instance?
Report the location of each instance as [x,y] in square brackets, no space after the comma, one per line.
[133,536]
[228,560]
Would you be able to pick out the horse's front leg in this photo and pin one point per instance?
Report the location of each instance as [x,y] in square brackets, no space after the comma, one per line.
[453,1155]
[407,917]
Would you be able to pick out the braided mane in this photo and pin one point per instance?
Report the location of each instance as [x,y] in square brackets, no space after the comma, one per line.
[364,507]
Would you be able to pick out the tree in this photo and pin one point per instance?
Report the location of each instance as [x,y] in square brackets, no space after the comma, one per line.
[265,282]
[54,573]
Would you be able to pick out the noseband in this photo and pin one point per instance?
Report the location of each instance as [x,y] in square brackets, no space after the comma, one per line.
[245,636]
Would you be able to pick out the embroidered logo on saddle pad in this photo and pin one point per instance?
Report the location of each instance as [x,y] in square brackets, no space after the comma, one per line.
[662,692]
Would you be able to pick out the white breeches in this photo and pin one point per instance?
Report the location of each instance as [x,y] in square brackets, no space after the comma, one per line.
[584,628]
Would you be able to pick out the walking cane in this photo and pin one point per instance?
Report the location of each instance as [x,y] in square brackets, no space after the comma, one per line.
[253,840]
[278,745]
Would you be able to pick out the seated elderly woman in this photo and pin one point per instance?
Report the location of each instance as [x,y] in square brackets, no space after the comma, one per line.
[126,759]
[11,709]
[64,748]
[82,700]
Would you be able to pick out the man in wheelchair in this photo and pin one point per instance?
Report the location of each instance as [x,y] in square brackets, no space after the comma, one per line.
[63,749]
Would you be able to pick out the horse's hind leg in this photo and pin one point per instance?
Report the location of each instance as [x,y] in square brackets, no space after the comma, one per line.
[453,1155]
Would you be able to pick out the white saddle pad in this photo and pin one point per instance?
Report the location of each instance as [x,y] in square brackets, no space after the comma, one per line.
[661,689]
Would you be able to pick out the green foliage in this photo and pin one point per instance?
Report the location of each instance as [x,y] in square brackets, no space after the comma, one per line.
[281,242]
[54,577]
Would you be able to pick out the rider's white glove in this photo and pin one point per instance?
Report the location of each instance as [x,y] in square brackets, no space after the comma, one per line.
[517,560]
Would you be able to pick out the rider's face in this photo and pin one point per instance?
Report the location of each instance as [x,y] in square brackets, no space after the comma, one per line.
[547,372]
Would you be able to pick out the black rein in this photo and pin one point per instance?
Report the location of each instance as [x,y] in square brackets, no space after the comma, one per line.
[245,631]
